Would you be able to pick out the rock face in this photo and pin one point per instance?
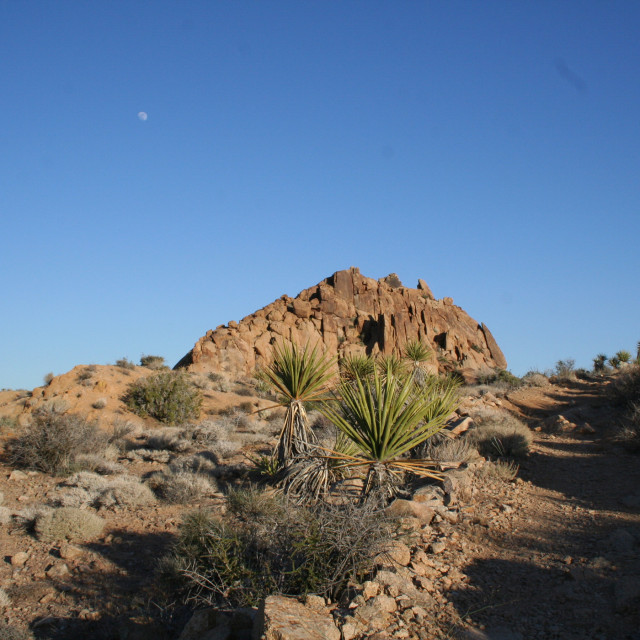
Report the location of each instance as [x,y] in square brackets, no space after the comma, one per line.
[348,314]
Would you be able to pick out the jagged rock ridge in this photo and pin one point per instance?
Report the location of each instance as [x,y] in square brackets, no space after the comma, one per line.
[348,313]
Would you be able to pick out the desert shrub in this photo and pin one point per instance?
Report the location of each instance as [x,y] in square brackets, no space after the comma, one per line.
[9,632]
[497,470]
[125,492]
[498,433]
[152,362]
[85,375]
[68,523]
[294,551]
[7,424]
[124,363]
[624,388]
[245,407]
[535,379]
[169,397]
[169,439]
[203,463]
[53,440]
[98,464]
[564,371]
[181,487]
[48,378]
[89,489]
[442,448]
[100,403]
[500,376]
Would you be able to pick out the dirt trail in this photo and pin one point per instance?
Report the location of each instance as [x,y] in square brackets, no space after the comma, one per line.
[556,556]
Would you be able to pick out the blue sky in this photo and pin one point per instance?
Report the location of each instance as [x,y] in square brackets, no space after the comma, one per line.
[491,148]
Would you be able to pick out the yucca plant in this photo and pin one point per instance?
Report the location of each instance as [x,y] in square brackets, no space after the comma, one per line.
[417,353]
[623,356]
[391,366]
[310,476]
[357,366]
[599,362]
[298,375]
[386,417]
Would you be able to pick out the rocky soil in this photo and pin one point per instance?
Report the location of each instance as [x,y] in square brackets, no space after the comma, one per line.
[551,554]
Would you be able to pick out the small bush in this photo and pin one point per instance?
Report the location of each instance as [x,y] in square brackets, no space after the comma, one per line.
[53,440]
[48,378]
[152,362]
[181,487]
[100,403]
[535,379]
[498,433]
[498,470]
[169,397]
[169,439]
[625,387]
[124,363]
[294,551]
[125,492]
[442,448]
[68,523]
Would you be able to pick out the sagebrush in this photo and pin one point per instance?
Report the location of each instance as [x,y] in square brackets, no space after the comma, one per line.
[168,396]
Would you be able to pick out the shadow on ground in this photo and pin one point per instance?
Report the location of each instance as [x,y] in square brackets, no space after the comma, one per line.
[124,594]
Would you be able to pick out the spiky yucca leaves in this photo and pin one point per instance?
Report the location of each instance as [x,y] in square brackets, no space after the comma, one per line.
[386,417]
[357,366]
[298,375]
[391,366]
[417,353]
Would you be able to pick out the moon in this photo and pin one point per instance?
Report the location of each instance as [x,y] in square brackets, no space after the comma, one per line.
[143,115]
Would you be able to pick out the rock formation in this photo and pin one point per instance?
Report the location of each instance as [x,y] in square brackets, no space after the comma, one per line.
[346,314]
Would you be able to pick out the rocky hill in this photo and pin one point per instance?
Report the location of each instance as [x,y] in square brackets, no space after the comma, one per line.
[348,313]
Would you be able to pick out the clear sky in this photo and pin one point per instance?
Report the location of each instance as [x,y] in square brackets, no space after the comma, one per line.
[491,148]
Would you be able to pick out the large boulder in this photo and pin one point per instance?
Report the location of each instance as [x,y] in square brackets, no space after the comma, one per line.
[348,313]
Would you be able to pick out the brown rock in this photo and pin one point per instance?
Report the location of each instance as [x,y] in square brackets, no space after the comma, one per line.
[395,552]
[19,559]
[409,508]
[349,313]
[282,618]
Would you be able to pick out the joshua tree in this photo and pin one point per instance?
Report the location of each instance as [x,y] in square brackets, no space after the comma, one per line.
[299,375]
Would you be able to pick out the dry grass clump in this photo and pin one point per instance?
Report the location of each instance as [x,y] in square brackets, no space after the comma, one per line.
[148,455]
[125,492]
[442,448]
[203,463]
[169,439]
[497,471]
[98,464]
[9,632]
[181,487]
[125,363]
[89,489]
[499,434]
[100,403]
[68,523]
[167,396]
[53,440]
[218,435]
[535,379]
[262,547]
[152,362]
